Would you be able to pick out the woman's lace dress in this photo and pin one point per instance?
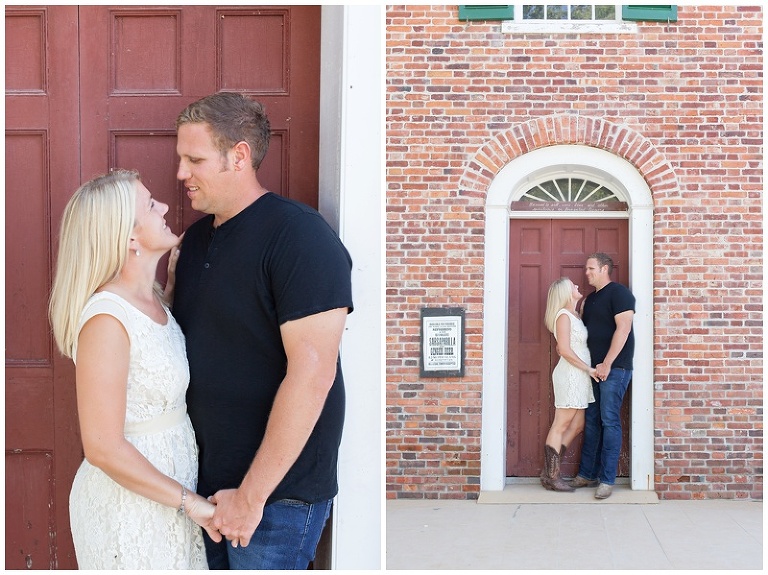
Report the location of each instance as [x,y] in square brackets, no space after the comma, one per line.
[573,386]
[112,527]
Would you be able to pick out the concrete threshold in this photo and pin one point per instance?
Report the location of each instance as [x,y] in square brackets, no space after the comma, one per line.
[534,493]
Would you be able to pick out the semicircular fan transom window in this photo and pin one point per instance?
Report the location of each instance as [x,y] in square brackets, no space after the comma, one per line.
[569,194]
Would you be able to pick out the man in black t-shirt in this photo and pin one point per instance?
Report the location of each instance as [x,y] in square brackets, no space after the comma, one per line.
[262,293]
[607,313]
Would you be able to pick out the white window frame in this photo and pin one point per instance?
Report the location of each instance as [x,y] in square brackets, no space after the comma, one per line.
[521,26]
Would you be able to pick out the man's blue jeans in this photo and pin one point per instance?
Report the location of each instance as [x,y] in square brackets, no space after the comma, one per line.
[602,428]
[285,539]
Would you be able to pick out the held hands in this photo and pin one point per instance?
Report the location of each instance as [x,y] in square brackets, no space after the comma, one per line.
[201,511]
[236,517]
[602,370]
[593,374]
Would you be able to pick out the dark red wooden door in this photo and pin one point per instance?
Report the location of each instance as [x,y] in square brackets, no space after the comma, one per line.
[145,64]
[540,251]
[42,169]
[91,88]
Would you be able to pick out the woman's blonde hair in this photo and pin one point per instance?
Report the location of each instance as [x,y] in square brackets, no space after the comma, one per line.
[93,248]
[557,298]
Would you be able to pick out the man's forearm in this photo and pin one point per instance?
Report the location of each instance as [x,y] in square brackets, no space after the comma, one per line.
[617,344]
[312,350]
[295,412]
[620,336]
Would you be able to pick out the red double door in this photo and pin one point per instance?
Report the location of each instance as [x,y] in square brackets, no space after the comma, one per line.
[541,251]
[89,88]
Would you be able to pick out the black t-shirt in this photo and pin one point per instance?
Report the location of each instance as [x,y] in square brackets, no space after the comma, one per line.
[598,314]
[276,261]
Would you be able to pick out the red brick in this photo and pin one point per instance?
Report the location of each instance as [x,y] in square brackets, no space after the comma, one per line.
[683,103]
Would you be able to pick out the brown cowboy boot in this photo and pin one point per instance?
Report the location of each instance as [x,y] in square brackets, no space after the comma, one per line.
[563,449]
[579,481]
[544,477]
[558,481]
[553,481]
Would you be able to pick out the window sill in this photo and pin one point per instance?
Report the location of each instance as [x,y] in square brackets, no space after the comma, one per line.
[556,27]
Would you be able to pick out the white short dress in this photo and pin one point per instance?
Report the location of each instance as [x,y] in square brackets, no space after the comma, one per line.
[573,386]
[113,527]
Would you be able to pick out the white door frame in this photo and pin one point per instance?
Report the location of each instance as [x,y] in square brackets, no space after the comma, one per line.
[509,184]
[351,199]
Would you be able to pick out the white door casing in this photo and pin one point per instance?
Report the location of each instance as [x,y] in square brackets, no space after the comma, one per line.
[509,184]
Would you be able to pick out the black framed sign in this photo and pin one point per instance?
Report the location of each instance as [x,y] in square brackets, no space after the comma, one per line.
[442,342]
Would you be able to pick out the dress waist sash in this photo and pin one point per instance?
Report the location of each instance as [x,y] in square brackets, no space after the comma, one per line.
[157,424]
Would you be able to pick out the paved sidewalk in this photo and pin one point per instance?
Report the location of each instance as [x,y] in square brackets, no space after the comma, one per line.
[431,534]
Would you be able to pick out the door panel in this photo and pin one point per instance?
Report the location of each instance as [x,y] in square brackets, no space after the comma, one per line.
[530,247]
[540,252]
[89,88]
[145,70]
[140,75]
[28,474]
[41,166]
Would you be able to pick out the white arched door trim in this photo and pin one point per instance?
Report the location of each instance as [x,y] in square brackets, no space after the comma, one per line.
[508,185]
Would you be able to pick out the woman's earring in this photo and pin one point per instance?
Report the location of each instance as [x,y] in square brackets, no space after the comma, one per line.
[137,253]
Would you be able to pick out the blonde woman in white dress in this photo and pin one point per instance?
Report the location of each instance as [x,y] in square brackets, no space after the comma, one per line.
[133,503]
[570,378]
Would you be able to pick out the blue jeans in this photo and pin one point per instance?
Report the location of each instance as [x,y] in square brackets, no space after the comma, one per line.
[602,428]
[286,538]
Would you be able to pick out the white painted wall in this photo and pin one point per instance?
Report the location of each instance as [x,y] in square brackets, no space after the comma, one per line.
[352,200]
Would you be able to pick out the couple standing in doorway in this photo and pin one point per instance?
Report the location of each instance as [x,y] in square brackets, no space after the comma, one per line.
[591,377]
[210,412]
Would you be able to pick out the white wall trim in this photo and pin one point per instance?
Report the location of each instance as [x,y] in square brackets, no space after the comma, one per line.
[351,199]
[509,185]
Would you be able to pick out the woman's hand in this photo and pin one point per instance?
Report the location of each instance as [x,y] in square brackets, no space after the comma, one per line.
[593,374]
[200,510]
[170,285]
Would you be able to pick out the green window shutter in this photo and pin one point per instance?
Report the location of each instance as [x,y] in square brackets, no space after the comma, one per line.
[478,12]
[651,13]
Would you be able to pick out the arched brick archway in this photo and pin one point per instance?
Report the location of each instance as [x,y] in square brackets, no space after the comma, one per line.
[640,173]
[568,129]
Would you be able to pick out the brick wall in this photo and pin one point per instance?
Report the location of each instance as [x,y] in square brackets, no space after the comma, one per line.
[687,98]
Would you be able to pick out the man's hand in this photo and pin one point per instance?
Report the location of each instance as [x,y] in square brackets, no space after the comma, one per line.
[236,518]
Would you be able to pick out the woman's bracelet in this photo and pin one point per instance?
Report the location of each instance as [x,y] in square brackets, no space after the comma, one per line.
[182,509]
